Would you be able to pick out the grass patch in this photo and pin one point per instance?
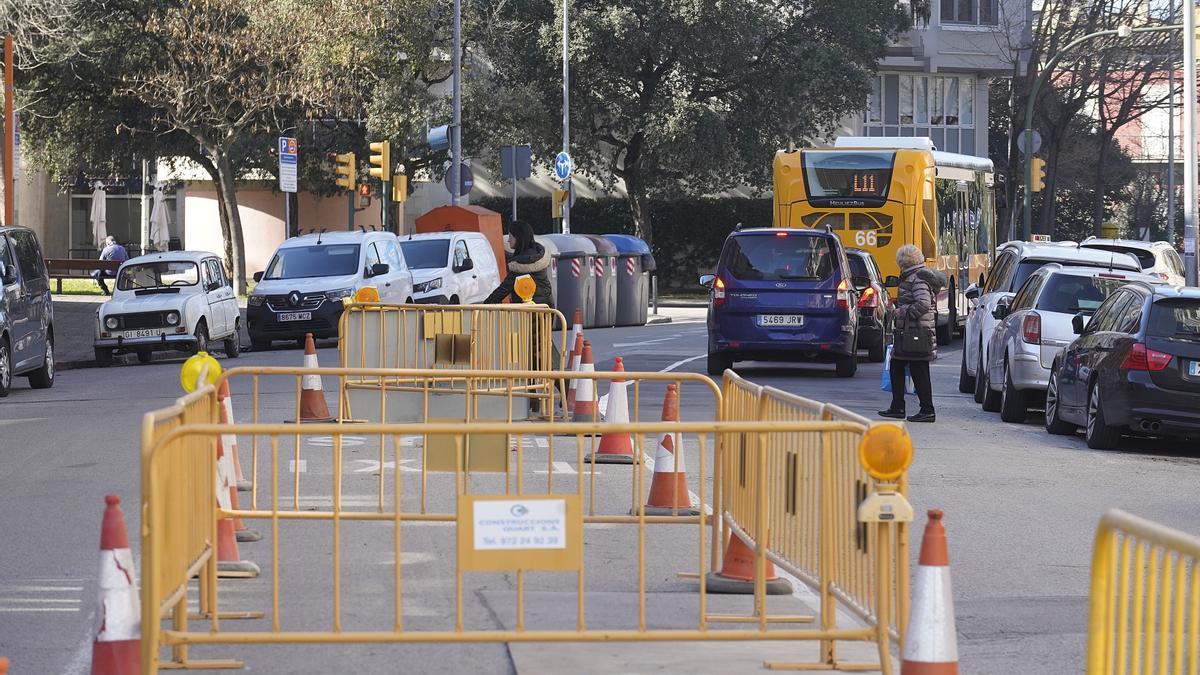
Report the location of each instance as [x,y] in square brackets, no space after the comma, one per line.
[80,286]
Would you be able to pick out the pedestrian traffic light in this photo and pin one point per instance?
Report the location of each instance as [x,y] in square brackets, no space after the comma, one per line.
[381,161]
[557,199]
[345,170]
[399,187]
[364,195]
[1037,174]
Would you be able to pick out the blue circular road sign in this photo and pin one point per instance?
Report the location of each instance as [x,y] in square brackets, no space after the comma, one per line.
[563,166]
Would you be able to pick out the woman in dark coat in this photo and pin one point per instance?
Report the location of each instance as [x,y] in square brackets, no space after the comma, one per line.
[914,328]
[527,257]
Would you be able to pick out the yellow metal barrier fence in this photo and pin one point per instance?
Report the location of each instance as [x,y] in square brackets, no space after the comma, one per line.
[1144,608]
[517,337]
[799,495]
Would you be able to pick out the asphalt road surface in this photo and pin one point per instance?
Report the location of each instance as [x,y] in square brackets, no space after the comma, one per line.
[1021,508]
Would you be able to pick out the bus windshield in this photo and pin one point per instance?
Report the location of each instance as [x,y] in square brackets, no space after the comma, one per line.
[837,173]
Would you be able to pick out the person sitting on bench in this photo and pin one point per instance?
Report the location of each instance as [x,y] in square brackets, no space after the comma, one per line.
[112,251]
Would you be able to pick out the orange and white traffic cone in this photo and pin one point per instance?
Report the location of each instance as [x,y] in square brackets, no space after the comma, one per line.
[668,488]
[615,448]
[117,648]
[226,468]
[229,559]
[576,326]
[585,409]
[312,395]
[576,358]
[737,572]
[230,440]
[931,643]
[3,665]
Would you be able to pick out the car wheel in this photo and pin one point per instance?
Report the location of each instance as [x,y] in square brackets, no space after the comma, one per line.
[201,338]
[5,368]
[1054,422]
[145,356]
[260,345]
[979,381]
[719,362]
[991,399]
[1012,400]
[878,351]
[43,378]
[1099,435]
[946,335]
[847,365]
[454,300]
[233,343]
[104,356]
[966,383]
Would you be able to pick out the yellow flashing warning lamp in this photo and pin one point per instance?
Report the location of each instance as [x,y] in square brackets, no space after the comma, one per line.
[885,451]
[189,374]
[367,294]
[525,287]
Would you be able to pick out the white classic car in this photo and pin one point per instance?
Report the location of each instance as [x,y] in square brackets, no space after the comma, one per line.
[178,300]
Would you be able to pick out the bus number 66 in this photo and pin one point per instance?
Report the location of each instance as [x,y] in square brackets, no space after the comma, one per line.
[866,238]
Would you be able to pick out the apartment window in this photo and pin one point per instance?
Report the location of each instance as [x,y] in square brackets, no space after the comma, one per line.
[918,104]
[906,99]
[982,12]
[921,96]
[875,107]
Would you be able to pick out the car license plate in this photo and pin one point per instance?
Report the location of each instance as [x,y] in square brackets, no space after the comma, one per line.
[296,316]
[143,333]
[1194,368]
[781,319]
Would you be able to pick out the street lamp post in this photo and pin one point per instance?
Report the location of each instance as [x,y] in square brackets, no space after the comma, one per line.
[566,113]
[456,125]
[1122,32]
[1189,139]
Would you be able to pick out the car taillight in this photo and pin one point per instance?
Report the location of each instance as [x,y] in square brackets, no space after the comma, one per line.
[1140,358]
[1163,275]
[869,298]
[718,294]
[843,294]
[1031,328]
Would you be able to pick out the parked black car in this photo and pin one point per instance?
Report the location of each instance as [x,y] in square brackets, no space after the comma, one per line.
[26,315]
[1135,367]
[874,306]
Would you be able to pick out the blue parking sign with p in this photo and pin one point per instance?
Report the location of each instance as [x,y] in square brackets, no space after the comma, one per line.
[288,150]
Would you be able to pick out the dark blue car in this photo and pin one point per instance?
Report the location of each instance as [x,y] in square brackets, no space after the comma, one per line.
[783,294]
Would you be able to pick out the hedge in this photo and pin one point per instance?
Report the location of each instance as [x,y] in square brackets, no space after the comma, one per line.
[688,233]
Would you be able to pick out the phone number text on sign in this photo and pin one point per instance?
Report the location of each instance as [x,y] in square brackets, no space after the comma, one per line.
[514,524]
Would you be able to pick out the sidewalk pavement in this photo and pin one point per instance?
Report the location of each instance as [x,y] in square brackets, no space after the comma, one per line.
[75,329]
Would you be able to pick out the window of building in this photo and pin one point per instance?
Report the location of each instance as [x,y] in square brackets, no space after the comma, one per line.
[981,12]
[918,104]
[875,109]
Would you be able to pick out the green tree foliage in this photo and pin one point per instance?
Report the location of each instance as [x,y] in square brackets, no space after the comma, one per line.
[677,98]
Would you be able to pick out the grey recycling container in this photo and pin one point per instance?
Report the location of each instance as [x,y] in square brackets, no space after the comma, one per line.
[553,270]
[576,279]
[605,267]
[634,265]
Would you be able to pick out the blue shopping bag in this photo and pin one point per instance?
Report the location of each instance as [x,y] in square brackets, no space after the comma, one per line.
[885,382]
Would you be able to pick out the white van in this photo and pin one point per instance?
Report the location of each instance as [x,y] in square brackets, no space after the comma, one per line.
[301,290]
[451,268]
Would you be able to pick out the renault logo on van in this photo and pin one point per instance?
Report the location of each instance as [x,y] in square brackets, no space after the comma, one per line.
[294,298]
[780,285]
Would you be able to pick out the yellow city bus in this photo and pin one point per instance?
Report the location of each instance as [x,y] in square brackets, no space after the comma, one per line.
[878,194]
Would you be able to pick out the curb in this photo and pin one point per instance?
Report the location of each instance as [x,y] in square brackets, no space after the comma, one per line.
[656,319]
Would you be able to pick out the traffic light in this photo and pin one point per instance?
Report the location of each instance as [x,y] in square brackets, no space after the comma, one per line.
[345,170]
[1037,174]
[399,187]
[557,199]
[381,161]
[364,195]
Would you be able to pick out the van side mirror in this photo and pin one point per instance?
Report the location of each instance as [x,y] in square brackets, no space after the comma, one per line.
[258,276]
[1002,308]
[8,273]
[466,265]
[861,283]
[972,292]
[706,280]
[892,281]
[1079,322]
[380,268]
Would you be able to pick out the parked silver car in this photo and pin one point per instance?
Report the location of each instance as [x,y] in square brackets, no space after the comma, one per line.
[26,313]
[1035,325]
[1015,262]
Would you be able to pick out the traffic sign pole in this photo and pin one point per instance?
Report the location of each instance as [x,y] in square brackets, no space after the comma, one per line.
[289,159]
[566,111]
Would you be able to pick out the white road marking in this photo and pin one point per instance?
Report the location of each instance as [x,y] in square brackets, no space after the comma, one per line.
[644,342]
[327,441]
[372,466]
[561,468]
[41,589]
[681,362]
[39,609]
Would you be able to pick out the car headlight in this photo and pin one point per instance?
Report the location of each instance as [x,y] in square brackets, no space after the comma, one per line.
[339,293]
[111,323]
[172,318]
[431,285]
[256,300]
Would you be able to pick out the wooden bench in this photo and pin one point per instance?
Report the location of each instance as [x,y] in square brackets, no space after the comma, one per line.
[77,268]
